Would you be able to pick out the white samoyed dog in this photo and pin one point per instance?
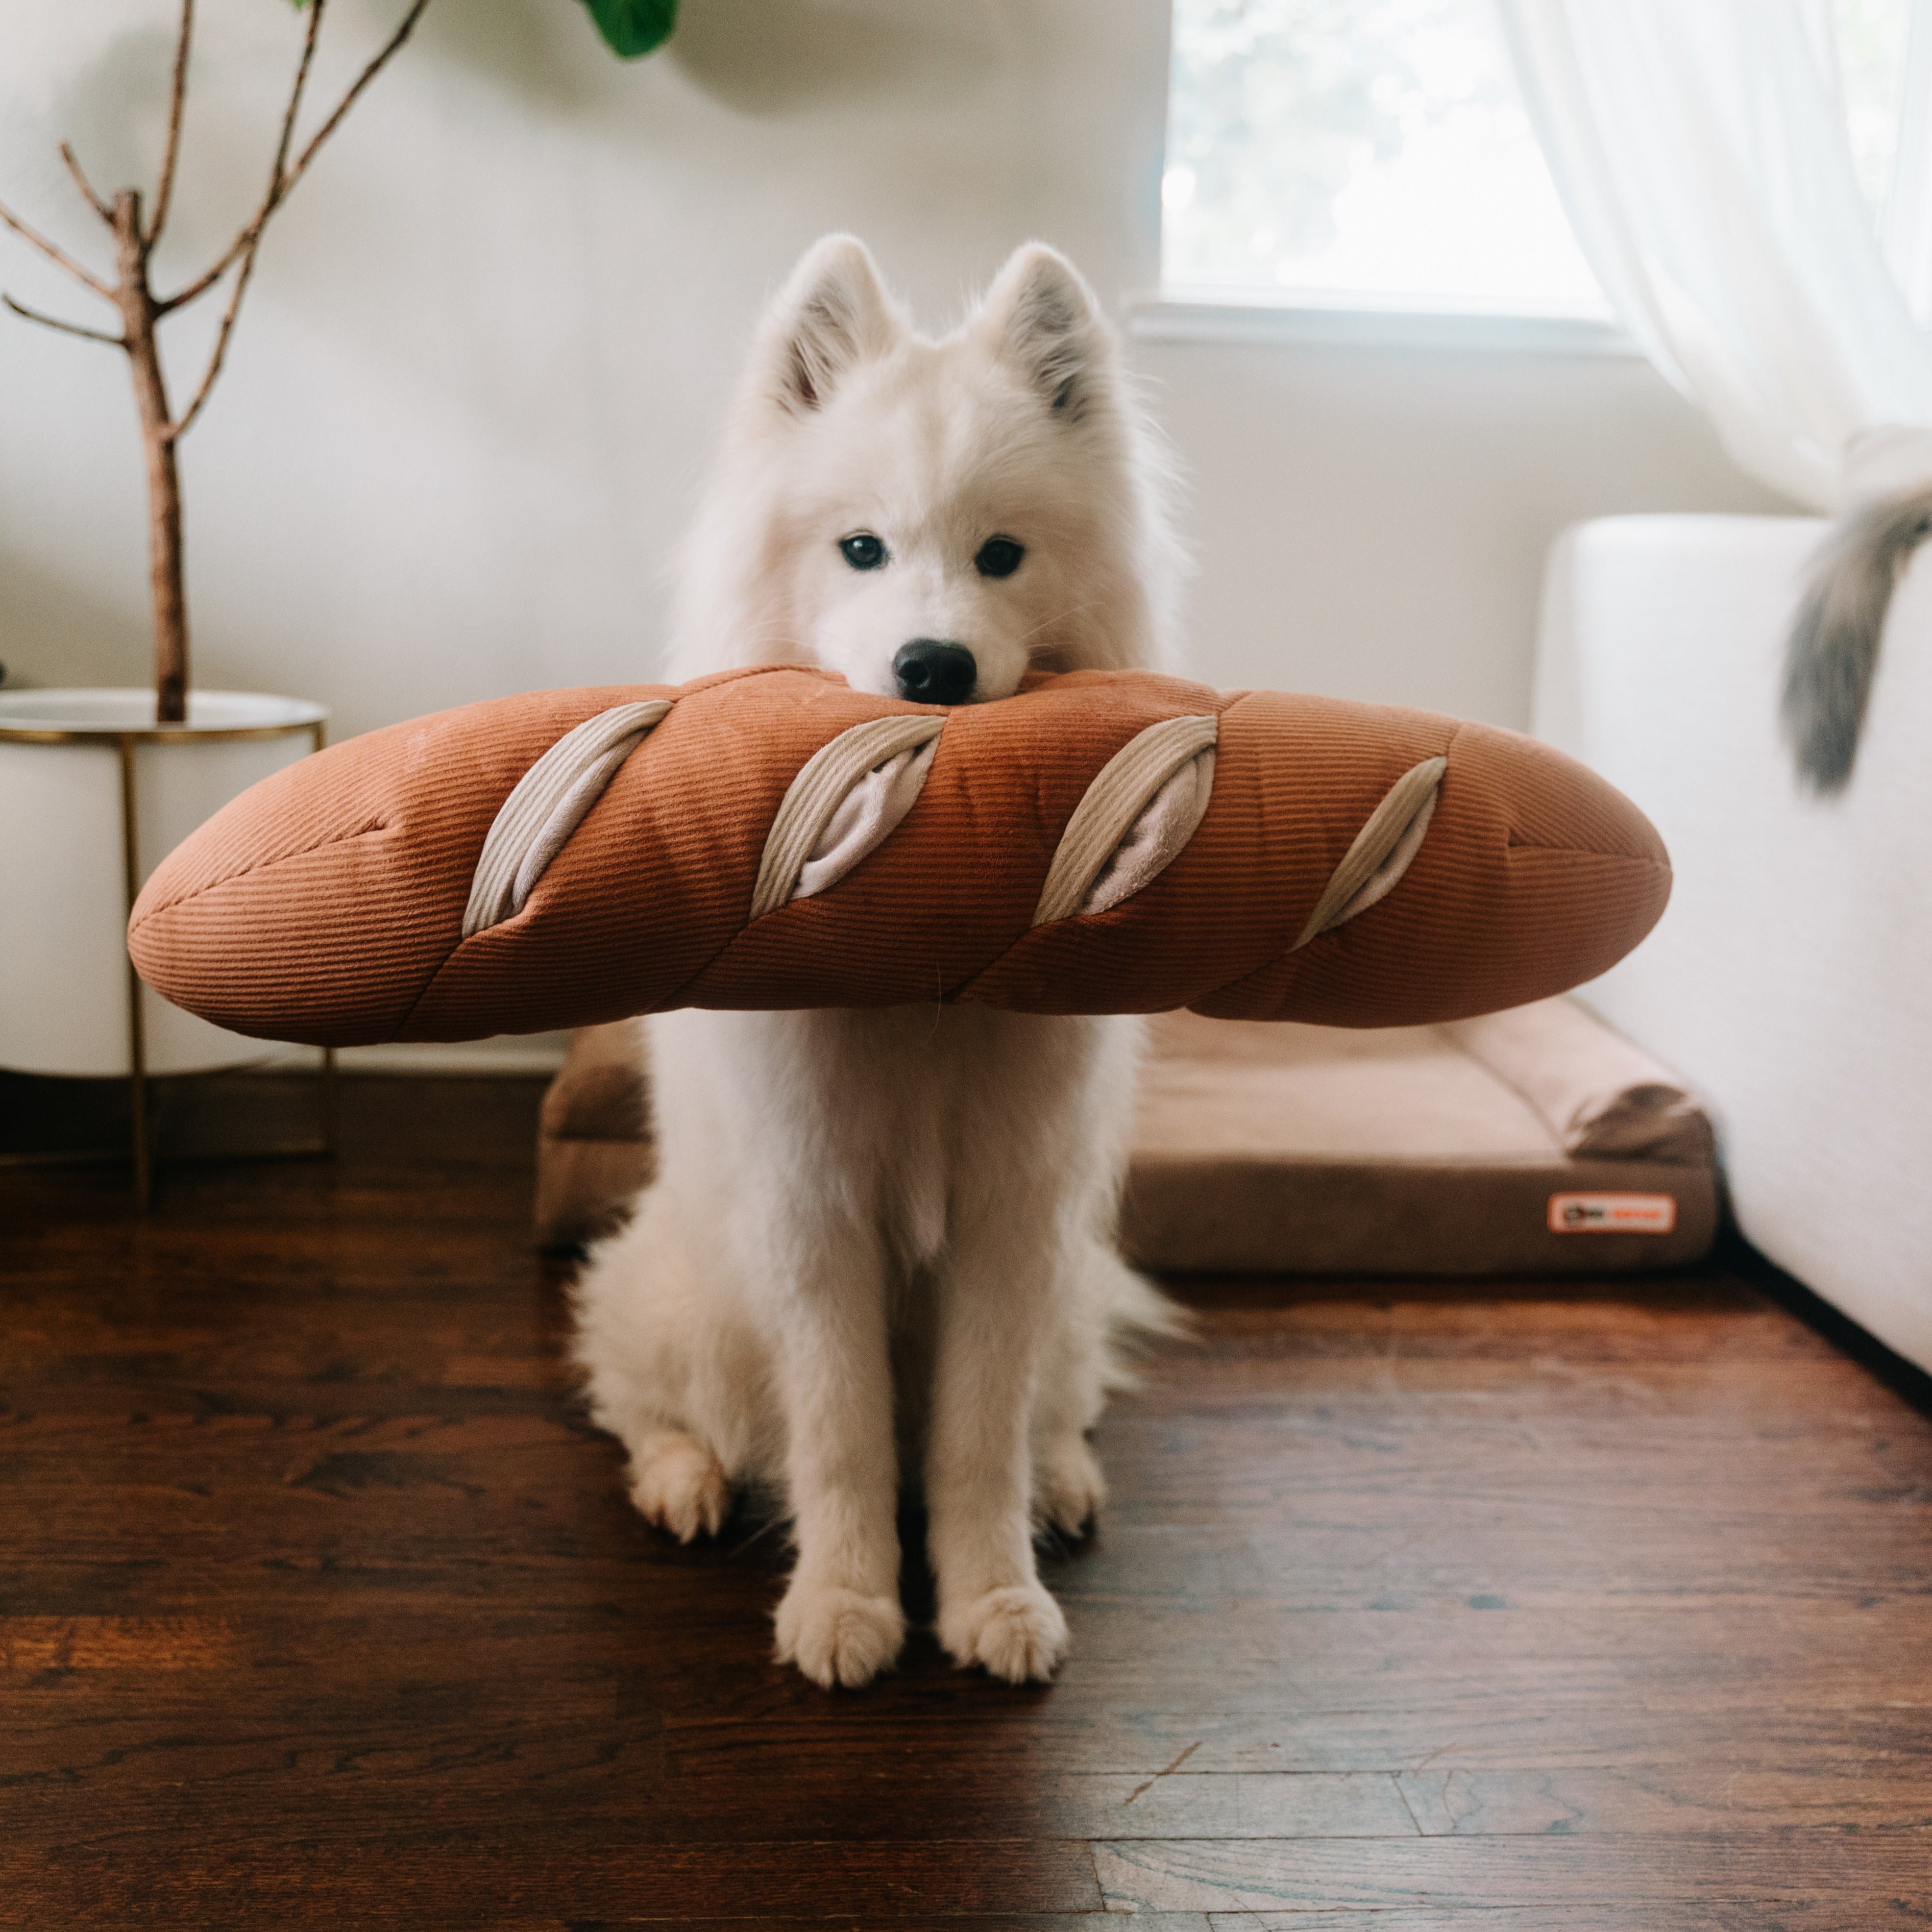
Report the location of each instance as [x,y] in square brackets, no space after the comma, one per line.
[880,1247]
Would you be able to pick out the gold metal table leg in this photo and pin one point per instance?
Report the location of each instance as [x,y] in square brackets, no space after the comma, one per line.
[137,1047]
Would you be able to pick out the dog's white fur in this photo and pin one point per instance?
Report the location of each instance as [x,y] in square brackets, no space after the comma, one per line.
[882,1242]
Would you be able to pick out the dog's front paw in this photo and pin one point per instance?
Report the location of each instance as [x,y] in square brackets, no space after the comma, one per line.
[1069,1489]
[836,1636]
[1017,1633]
[677,1484]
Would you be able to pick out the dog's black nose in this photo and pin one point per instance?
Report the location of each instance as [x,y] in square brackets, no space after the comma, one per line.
[929,672]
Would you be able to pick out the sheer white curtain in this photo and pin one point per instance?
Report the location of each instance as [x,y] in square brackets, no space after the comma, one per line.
[1700,147]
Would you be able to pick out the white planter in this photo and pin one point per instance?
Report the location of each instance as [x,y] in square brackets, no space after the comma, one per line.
[63,974]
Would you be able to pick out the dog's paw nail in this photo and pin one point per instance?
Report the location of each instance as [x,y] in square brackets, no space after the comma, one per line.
[1070,1490]
[677,1484]
[837,1636]
[1017,1633]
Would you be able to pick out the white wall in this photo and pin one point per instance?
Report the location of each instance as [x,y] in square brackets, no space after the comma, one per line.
[489,339]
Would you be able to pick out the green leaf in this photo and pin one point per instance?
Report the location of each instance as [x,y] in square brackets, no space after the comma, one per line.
[634,27]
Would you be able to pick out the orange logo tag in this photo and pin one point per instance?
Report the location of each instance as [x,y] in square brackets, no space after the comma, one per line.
[1612,1213]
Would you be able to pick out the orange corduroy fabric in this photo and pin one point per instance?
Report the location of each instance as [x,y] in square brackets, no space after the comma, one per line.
[326,904]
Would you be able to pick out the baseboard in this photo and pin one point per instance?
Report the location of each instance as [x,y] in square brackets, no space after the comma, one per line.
[540,1053]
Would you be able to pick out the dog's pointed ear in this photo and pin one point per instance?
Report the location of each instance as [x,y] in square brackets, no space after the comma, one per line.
[1041,316]
[833,314]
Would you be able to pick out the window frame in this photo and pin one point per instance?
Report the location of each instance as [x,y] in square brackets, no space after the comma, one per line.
[1308,318]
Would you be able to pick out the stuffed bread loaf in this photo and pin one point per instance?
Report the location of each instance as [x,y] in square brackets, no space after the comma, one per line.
[1099,842]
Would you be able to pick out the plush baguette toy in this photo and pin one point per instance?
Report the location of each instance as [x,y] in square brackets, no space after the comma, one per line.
[1100,842]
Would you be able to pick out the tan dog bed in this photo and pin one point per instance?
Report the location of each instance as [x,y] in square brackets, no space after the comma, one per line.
[1533,1141]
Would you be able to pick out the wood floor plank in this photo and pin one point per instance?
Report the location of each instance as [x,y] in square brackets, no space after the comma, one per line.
[569,1877]
[1002,1921]
[1545,1734]
[1863,1914]
[1552,1874]
[1672,1800]
[1675,1799]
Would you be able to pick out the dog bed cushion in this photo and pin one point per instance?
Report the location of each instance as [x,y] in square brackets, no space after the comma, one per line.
[1537,1141]
[1431,1151]
[1100,842]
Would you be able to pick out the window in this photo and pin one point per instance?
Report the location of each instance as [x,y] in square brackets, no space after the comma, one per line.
[1374,153]
[1373,159]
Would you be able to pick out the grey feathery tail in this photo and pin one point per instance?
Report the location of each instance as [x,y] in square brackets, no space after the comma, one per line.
[1833,651]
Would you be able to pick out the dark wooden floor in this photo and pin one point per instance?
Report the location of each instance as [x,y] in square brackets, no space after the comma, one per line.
[1494,1609]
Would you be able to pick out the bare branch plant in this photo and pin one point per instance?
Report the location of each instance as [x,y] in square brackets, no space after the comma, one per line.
[131,293]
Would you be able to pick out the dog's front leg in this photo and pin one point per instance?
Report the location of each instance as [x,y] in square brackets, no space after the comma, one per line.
[993,1611]
[840,1622]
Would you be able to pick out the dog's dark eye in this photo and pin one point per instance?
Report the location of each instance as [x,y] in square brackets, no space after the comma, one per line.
[999,556]
[863,552]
